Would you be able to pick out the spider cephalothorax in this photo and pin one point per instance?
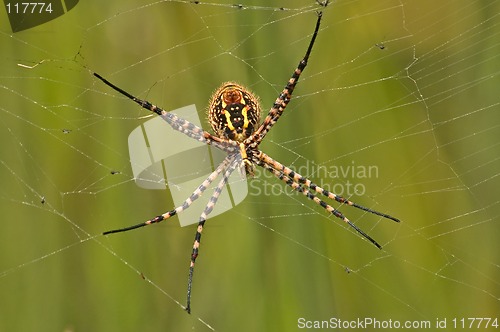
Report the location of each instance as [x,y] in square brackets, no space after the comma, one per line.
[233,112]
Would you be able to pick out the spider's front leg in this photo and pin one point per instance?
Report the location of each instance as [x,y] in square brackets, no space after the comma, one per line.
[177,123]
[286,94]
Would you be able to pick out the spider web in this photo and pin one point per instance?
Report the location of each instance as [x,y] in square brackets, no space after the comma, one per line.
[397,110]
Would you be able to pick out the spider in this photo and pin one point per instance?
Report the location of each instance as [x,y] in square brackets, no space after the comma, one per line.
[234,115]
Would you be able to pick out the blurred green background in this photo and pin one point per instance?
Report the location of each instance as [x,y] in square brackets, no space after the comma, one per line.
[408,87]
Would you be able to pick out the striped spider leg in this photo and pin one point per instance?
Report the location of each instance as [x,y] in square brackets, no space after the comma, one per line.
[179,124]
[305,186]
[234,162]
[227,166]
[286,94]
[187,203]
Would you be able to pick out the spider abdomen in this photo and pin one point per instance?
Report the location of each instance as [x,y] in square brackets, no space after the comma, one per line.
[233,112]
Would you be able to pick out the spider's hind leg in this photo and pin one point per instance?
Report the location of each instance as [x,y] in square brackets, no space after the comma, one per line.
[194,255]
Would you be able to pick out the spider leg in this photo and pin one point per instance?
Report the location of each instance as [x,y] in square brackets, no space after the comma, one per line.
[308,183]
[292,179]
[285,95]
[187,203]
[306,192]
[177,123]
[208,209]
